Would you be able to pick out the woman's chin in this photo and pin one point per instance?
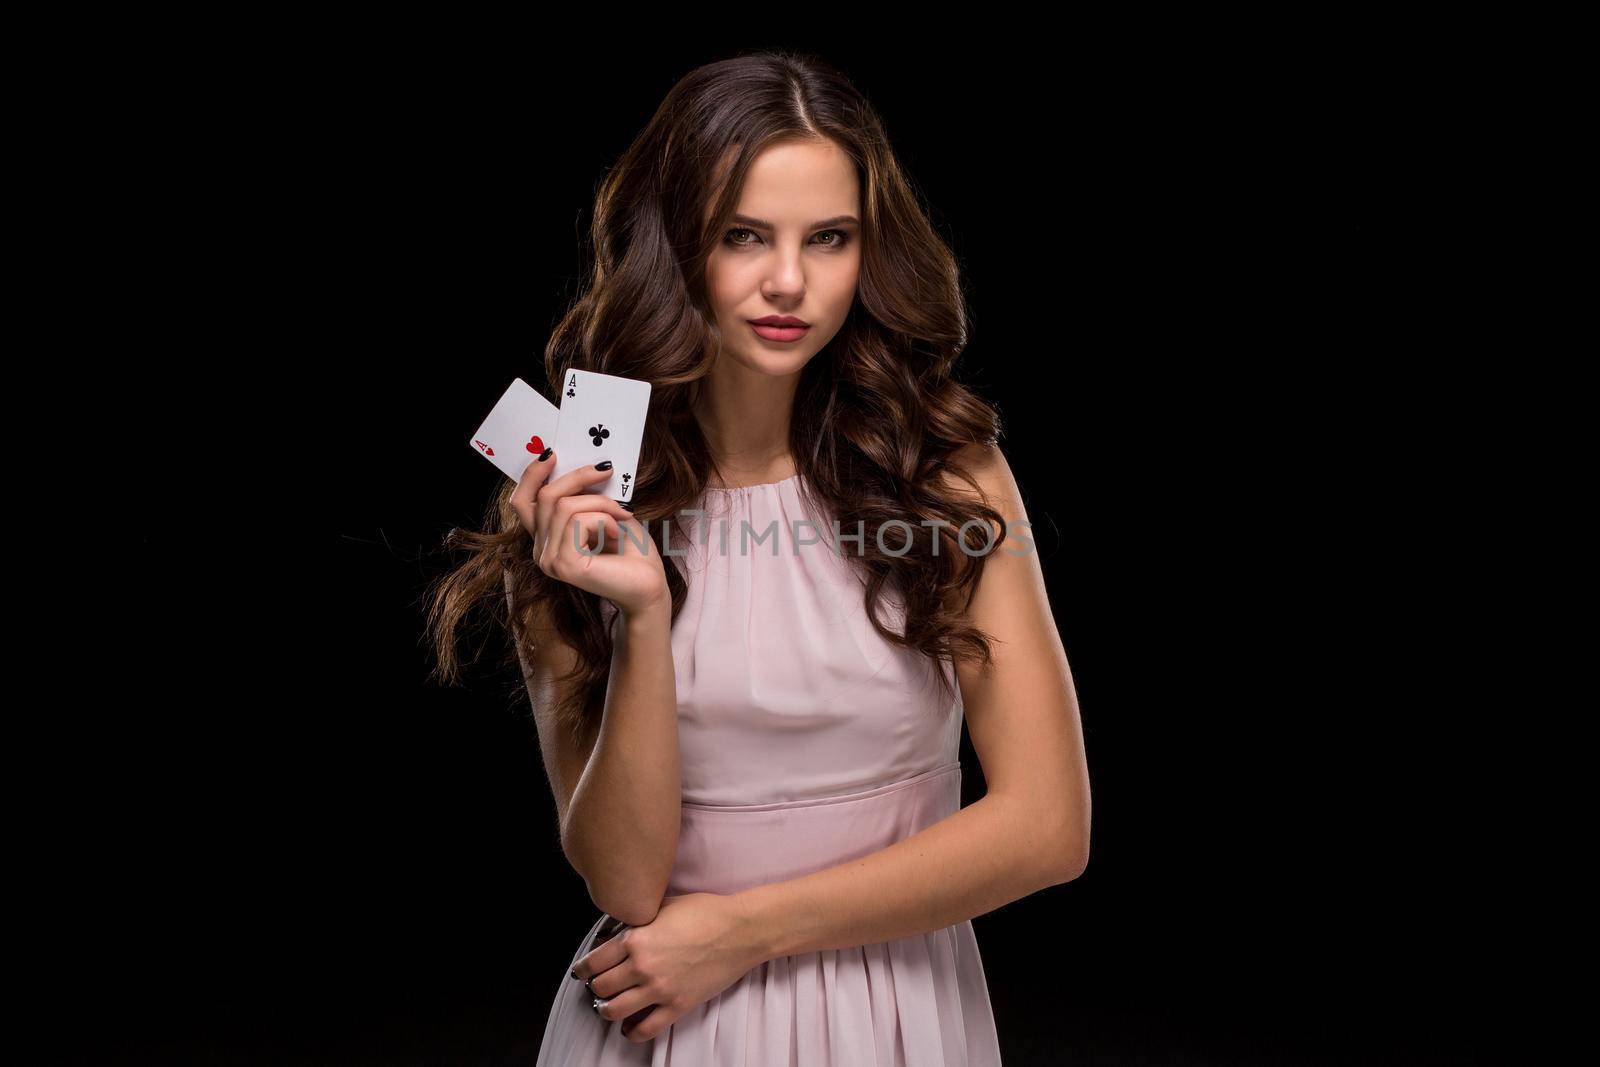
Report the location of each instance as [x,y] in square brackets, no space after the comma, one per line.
[775,364]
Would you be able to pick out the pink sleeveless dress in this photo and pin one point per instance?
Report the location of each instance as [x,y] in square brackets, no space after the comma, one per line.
[806,741]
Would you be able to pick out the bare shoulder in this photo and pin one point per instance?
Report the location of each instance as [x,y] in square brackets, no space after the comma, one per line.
[983,463]
[981,473]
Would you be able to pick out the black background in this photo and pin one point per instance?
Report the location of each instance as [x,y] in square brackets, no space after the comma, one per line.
[273,841]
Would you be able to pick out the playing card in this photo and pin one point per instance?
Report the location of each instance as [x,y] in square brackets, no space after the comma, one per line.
[602,417]
[522,425]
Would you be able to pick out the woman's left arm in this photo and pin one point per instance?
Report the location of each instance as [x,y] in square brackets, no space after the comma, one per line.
[1031,828]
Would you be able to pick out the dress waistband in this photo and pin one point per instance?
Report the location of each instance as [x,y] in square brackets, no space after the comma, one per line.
[730,848]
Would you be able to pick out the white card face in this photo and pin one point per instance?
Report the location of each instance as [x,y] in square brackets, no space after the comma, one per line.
[602,417]
[522,425]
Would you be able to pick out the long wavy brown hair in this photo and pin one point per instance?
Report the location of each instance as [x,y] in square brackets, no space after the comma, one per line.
[878,417]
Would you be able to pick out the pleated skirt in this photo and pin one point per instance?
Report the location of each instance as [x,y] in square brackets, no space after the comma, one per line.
[919,1001]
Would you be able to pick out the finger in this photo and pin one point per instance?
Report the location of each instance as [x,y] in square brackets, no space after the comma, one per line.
[640,535]
[549,495]
[574,545]
[584,536]
[568,506]
[614,980]
[556,530]
[618,1007]
[637,536]
[573,482]
[651,1026]
[526,494]
[558,533]
[609,927]
[603,957]
[599,532]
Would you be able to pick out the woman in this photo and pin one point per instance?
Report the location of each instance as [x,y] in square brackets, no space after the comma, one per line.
[756,769]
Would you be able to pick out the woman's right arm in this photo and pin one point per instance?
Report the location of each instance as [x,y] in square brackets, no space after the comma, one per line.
[618,798]
[618,803]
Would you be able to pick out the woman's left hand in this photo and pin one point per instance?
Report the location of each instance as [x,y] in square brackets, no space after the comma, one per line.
[697,945]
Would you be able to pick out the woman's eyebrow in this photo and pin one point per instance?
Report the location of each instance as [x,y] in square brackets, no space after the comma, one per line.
[837,220]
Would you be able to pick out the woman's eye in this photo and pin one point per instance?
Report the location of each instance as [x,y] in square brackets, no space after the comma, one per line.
[839,237]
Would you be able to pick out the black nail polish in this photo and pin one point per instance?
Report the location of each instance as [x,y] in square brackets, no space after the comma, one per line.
[625,505]
[545,454]
[574,972]
[603,465]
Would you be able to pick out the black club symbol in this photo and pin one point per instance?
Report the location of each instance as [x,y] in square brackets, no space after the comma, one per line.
[599,433]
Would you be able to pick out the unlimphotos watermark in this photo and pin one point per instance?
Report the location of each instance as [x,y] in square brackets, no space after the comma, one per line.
[901,536]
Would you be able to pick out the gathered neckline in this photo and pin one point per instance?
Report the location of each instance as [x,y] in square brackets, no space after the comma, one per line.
[751,488]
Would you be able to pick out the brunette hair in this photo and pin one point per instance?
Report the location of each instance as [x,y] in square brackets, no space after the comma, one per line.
[878,417]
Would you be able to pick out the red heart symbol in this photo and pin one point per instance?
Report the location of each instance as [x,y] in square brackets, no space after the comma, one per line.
[536,446]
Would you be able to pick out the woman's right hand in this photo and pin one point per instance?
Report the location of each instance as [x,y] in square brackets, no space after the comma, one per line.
[560,515]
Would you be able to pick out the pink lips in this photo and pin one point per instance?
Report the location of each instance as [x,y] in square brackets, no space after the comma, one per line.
[774,332]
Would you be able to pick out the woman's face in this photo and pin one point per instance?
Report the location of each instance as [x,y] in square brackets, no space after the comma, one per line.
[792,249]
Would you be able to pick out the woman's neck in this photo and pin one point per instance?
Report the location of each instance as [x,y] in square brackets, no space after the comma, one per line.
[777,470]
[745,420]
